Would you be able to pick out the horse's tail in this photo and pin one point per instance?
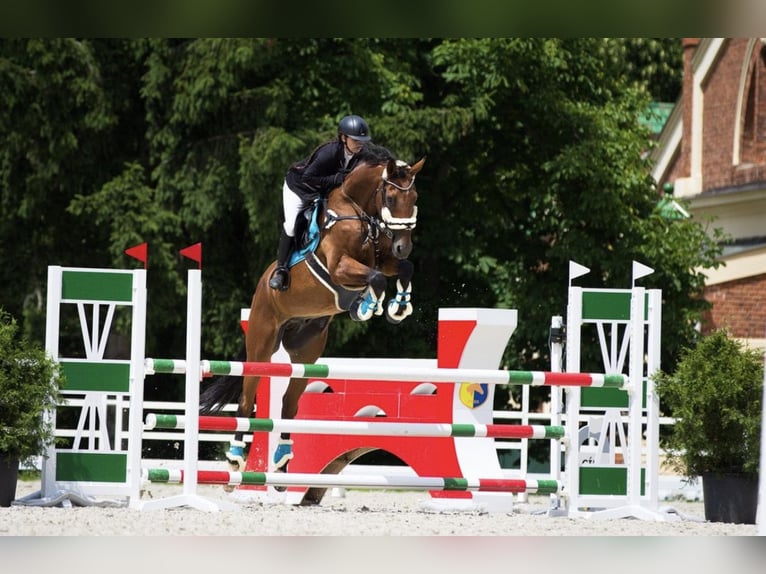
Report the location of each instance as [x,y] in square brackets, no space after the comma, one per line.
[220,392]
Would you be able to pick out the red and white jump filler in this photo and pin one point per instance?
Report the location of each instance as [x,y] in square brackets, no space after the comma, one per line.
[467,339]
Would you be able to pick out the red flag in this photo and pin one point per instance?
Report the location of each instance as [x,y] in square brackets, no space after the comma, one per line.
[193,252]
[139,252]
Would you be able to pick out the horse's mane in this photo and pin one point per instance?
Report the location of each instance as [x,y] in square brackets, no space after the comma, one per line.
[374,154]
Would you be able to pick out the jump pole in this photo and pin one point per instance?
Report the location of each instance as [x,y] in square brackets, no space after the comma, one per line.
[362,373]
[283,479]
[359,428]
[446,375]
[574,380]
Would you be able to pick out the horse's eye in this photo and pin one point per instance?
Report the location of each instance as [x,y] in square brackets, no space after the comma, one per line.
[391,200]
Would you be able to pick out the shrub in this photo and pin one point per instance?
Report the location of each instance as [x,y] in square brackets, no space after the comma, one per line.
[29,386]
[715,395]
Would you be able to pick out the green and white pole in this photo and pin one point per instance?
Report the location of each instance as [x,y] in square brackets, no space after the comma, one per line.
[283,479]
[362,372]
[356,428]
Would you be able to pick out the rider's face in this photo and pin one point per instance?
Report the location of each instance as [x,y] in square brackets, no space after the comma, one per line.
[353,145]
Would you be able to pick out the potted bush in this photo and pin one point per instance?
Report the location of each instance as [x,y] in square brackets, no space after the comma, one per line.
[29,385]
[715,396]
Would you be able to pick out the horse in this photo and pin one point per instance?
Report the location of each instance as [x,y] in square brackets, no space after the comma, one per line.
[364,232]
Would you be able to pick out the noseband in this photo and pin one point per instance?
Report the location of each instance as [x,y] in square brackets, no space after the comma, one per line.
[388,221]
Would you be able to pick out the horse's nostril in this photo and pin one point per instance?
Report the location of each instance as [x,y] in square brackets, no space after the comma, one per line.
[402,250]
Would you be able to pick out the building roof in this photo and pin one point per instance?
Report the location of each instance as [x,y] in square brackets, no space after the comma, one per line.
[656,116]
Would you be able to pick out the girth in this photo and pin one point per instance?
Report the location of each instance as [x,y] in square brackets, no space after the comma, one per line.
[343,297]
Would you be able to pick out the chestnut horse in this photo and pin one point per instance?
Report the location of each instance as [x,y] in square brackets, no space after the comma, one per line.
[365,237]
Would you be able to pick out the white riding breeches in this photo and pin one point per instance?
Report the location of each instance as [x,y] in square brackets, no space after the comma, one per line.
[291,205]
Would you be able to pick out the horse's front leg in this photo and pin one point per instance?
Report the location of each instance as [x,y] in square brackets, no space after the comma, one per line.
[399,307]
[352,274]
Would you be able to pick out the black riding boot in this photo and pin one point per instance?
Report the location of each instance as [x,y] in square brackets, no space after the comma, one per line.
[280,279]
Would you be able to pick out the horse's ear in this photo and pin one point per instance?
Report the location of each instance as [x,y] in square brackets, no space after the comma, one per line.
[417,167]
[391,167]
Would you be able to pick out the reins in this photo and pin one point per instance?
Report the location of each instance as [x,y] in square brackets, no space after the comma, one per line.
[386,223]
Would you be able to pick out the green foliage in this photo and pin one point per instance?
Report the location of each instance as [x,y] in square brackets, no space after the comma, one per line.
[654,62]
[715,395]
[29,384]
[535,157]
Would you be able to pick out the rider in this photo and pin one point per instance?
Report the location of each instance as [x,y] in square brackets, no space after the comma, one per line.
[313,177]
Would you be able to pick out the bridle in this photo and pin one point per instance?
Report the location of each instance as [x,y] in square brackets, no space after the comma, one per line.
[387,223]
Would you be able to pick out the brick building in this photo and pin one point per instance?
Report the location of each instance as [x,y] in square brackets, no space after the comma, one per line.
[712,153]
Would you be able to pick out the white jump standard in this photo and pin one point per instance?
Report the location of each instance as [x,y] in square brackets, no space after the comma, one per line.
[593,483]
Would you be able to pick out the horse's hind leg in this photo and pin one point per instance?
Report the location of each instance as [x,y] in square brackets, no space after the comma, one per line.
[304,341]
[236,453]
[260,341]
[284,451]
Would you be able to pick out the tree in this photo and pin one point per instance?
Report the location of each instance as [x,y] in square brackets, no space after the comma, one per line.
[535,157]
[67,120]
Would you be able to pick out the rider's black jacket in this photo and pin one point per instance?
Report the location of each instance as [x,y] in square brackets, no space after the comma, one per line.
[319,173]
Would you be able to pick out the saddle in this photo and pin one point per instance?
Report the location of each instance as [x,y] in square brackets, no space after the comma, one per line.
[307,231]
[307,235]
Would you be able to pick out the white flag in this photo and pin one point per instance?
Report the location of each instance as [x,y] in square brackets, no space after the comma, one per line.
[576,270]
[640,270]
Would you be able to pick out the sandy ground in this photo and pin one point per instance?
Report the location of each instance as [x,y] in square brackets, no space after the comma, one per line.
[357,513]
[363,532]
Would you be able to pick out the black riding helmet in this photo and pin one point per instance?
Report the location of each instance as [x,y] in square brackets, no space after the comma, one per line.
[354,127]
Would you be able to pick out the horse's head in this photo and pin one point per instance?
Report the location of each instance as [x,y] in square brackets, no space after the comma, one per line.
[398,212]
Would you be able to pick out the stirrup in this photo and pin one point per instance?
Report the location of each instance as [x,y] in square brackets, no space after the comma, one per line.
[280,279]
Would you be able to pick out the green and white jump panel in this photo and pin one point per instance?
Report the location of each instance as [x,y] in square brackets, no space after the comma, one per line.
[87,308]
[612,468]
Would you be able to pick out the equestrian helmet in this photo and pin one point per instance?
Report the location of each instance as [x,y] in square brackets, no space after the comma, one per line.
[354,127]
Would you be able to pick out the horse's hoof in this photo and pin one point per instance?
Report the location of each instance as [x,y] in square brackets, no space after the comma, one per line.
[364,308]
[283,454]
[393,320]
[398,311]
[357,318]
[399,307]
[281,469]
[236,455]
[358,314]
[235,465]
